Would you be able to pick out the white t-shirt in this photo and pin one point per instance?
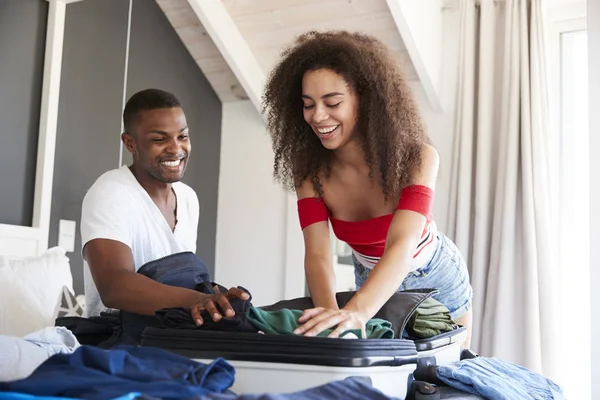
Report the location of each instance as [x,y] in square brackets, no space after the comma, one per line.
[117,207]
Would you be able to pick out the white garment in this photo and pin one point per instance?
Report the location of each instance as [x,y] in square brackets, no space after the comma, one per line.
[54,339]
[19,357]
[117,207]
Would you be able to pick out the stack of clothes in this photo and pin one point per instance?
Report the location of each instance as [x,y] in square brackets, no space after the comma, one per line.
[430,319]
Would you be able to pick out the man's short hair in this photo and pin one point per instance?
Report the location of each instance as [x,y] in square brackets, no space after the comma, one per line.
[149,99]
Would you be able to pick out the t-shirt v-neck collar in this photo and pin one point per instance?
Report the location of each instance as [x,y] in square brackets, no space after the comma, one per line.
[155,207]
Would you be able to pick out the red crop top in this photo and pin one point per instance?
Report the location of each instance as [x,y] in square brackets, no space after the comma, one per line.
[368,237]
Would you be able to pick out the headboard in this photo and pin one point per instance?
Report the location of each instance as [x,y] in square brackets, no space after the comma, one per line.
[25,241]
[20,241]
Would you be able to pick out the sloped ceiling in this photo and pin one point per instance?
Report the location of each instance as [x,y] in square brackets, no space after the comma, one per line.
[269,25]
[203,50]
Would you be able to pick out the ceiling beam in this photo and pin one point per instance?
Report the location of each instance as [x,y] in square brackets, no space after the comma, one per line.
[63,1]
[233,47]
[420,26]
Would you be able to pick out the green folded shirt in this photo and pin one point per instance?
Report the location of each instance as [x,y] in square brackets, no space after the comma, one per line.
[285,322]
[430,319]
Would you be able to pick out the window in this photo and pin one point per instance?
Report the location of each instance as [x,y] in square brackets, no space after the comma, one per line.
[568,63]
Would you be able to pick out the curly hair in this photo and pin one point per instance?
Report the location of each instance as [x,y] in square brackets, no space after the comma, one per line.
[390,130]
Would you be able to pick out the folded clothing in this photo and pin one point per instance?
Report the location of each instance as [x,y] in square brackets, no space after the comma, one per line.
[93,373]
[496,379]
[181,318]
[431,318]
[285,322]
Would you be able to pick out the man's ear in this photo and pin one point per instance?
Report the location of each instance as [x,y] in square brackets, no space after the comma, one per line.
[129,143]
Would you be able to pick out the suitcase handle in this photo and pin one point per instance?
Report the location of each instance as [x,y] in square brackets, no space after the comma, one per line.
[428,373]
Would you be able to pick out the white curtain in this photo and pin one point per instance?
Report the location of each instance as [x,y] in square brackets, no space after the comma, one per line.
[499,210]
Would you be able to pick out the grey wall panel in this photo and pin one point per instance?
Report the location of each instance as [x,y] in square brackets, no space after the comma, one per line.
[158,59]
[22,46]
[87,143]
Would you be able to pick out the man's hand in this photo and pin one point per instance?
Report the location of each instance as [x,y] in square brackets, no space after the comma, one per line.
[316,320]
[210,301]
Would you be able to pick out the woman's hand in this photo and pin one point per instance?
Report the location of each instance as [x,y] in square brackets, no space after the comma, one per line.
[316,320]
[209,303]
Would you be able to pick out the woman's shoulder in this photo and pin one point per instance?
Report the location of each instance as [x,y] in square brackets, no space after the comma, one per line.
[430,161]
[306,189]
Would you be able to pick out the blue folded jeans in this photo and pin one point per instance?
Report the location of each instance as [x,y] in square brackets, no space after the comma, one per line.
[495,379]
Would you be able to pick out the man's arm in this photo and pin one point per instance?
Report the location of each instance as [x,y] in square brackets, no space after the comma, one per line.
[112,267]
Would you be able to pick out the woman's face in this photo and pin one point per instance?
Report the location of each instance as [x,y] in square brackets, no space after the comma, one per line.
[330,107]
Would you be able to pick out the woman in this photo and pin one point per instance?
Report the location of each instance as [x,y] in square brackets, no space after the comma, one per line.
[348,139]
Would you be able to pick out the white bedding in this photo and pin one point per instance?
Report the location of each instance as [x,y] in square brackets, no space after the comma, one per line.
[30,291]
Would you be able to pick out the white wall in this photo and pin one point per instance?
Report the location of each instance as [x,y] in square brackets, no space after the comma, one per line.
[440,125]
[593,12]
[251,216]
[424,20]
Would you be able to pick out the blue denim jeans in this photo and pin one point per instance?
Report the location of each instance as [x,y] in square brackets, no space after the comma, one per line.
[495,379]
[446,272]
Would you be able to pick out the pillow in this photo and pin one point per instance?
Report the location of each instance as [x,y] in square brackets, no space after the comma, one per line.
[67,305]
[30,288]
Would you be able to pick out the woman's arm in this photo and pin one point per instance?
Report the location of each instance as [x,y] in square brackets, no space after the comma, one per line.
[318,266]
[387,276]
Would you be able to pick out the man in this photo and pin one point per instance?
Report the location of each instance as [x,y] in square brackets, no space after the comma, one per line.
[139,213]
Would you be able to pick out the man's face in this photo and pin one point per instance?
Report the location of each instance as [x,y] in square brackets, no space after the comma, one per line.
[160,144]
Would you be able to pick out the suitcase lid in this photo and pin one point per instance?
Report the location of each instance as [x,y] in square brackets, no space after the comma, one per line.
[199,344]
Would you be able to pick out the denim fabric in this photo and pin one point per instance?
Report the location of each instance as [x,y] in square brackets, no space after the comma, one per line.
[23,396]
[446,271]
[495,379]
[92,373]
[183,269]
[352,388]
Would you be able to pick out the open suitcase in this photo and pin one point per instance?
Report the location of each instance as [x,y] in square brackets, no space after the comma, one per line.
[287,363]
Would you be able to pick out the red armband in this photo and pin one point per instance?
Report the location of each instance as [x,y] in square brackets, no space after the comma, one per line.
[417,198]
[312,210]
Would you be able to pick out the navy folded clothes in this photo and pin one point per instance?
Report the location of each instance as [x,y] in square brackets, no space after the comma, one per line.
[97,374]
[181,318]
